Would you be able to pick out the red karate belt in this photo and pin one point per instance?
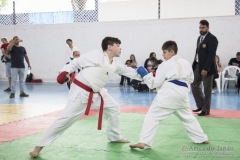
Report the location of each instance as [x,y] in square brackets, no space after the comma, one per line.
[86,88]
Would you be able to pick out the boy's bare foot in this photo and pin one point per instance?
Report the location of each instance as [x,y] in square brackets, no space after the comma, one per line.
[138,145]
[121,141]
[35,152]
[205,142]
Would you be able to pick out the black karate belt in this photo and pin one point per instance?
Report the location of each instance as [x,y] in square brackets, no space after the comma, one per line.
[179,83]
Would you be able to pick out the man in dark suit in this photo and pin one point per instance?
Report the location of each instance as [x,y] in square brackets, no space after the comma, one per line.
[204,68]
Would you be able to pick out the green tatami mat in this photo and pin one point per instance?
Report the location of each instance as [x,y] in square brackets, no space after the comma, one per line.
[83,141]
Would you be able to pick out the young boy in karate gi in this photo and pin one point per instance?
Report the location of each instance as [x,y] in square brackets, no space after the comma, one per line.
[87,92]
[171,81]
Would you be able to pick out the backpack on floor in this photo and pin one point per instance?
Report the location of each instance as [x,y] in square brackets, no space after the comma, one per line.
[29,77]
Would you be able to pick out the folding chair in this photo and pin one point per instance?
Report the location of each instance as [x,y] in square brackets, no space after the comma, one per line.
[229,74]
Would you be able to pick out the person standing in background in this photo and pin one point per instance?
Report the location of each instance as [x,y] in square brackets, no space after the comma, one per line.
[69,51]
[204,67]
[7,62]
[69,54]
[216,75]
[17,55]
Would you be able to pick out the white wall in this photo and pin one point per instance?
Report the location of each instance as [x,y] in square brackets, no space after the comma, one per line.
[196,8]
[128,10]
[117,10]
[46,45]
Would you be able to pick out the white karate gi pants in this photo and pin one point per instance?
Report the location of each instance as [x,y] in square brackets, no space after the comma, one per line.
[76,106]
[170,97]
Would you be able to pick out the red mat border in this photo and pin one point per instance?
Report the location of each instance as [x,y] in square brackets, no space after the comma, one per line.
[26,127]
[213,113]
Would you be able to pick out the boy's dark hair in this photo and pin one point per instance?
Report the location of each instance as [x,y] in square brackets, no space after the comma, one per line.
[109,41]
[204,22]
[170,45]
[68,40]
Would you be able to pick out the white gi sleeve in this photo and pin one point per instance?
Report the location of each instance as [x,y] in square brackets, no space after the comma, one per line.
[157,81]
[191,74]
[188,75]
[127,71]
[89,59]
[72,66]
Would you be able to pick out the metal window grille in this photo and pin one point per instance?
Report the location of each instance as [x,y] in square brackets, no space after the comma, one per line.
[237,7]
[122,10]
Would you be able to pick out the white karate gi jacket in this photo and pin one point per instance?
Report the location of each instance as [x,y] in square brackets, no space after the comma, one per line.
[171,99]
[170,94]
[95,72]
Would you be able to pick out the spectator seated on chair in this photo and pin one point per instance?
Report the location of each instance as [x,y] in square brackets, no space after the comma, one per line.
[148,61]
[235,61]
